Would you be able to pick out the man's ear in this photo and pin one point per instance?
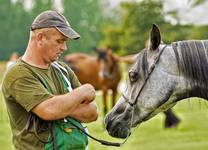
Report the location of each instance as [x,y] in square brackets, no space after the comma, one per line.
[40,38]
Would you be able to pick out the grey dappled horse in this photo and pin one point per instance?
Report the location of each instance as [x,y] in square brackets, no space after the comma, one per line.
[161,76]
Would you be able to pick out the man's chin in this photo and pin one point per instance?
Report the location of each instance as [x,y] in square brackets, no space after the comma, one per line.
[54,59]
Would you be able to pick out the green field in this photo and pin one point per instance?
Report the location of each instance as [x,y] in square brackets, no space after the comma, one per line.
[191,134]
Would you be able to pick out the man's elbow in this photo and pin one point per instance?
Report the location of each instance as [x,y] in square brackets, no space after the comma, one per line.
[92,116]
[95,112]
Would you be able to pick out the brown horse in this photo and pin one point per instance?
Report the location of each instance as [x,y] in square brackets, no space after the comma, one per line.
[103,72]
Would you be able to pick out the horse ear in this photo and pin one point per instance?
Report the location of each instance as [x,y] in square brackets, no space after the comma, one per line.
[109,50]
[155,38]
[95,49]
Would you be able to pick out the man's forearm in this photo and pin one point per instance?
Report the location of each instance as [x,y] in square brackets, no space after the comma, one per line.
[85,112]
[61,106]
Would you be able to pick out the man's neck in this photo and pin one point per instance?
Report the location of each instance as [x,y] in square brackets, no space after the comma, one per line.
[34,60]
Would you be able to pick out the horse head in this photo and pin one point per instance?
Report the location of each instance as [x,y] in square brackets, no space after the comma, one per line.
[154,85]
[108,63]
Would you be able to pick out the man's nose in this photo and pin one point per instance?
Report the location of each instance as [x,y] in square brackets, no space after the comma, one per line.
[64,46]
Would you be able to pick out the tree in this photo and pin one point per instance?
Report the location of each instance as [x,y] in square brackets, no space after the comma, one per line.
[14,28]
[135,23]
[85,17]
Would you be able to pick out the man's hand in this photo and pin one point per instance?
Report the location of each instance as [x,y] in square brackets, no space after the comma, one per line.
[86,111]
[87,91]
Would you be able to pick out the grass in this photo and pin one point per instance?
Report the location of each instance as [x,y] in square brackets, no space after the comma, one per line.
[191,134]
[5,133]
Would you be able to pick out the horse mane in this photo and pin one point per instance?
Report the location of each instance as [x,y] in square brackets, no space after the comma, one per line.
[192,60]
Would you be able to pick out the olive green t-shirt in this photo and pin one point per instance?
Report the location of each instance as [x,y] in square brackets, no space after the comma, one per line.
[23,89]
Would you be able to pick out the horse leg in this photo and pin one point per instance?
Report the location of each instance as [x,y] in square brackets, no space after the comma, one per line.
[105,92]
[171,120]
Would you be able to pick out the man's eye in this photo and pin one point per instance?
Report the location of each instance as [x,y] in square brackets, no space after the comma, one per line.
[133,76]
[60,41]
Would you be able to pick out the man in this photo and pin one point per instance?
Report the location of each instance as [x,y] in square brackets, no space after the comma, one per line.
[35,87]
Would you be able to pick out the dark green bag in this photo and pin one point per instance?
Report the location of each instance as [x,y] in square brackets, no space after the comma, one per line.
[67,137]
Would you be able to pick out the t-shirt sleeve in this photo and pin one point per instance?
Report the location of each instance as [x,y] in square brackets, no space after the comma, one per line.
[29,92]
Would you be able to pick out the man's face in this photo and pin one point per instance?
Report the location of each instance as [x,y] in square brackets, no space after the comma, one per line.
[54,45]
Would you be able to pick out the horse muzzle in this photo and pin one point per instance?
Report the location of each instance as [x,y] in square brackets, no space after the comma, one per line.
[116,128]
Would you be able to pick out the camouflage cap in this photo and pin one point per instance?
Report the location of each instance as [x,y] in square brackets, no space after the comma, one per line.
[53,19]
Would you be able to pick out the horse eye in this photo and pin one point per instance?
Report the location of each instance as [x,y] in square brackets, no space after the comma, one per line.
[133,76]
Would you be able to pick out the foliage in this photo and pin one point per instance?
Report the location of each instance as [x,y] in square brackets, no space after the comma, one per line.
[126,30]
[84,16]
[15,28]
[132,31]
[130,34]
[197,2]
[177,32]
[199,32]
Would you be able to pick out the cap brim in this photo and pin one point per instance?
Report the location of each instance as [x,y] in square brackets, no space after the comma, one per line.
[68,32]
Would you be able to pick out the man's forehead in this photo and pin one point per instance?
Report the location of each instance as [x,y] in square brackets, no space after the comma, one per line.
[52,32]
[62,37]
[58,34]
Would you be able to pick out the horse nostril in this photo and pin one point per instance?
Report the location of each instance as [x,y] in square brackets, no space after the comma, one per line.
[107,123]
[120,132]
[124,133]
